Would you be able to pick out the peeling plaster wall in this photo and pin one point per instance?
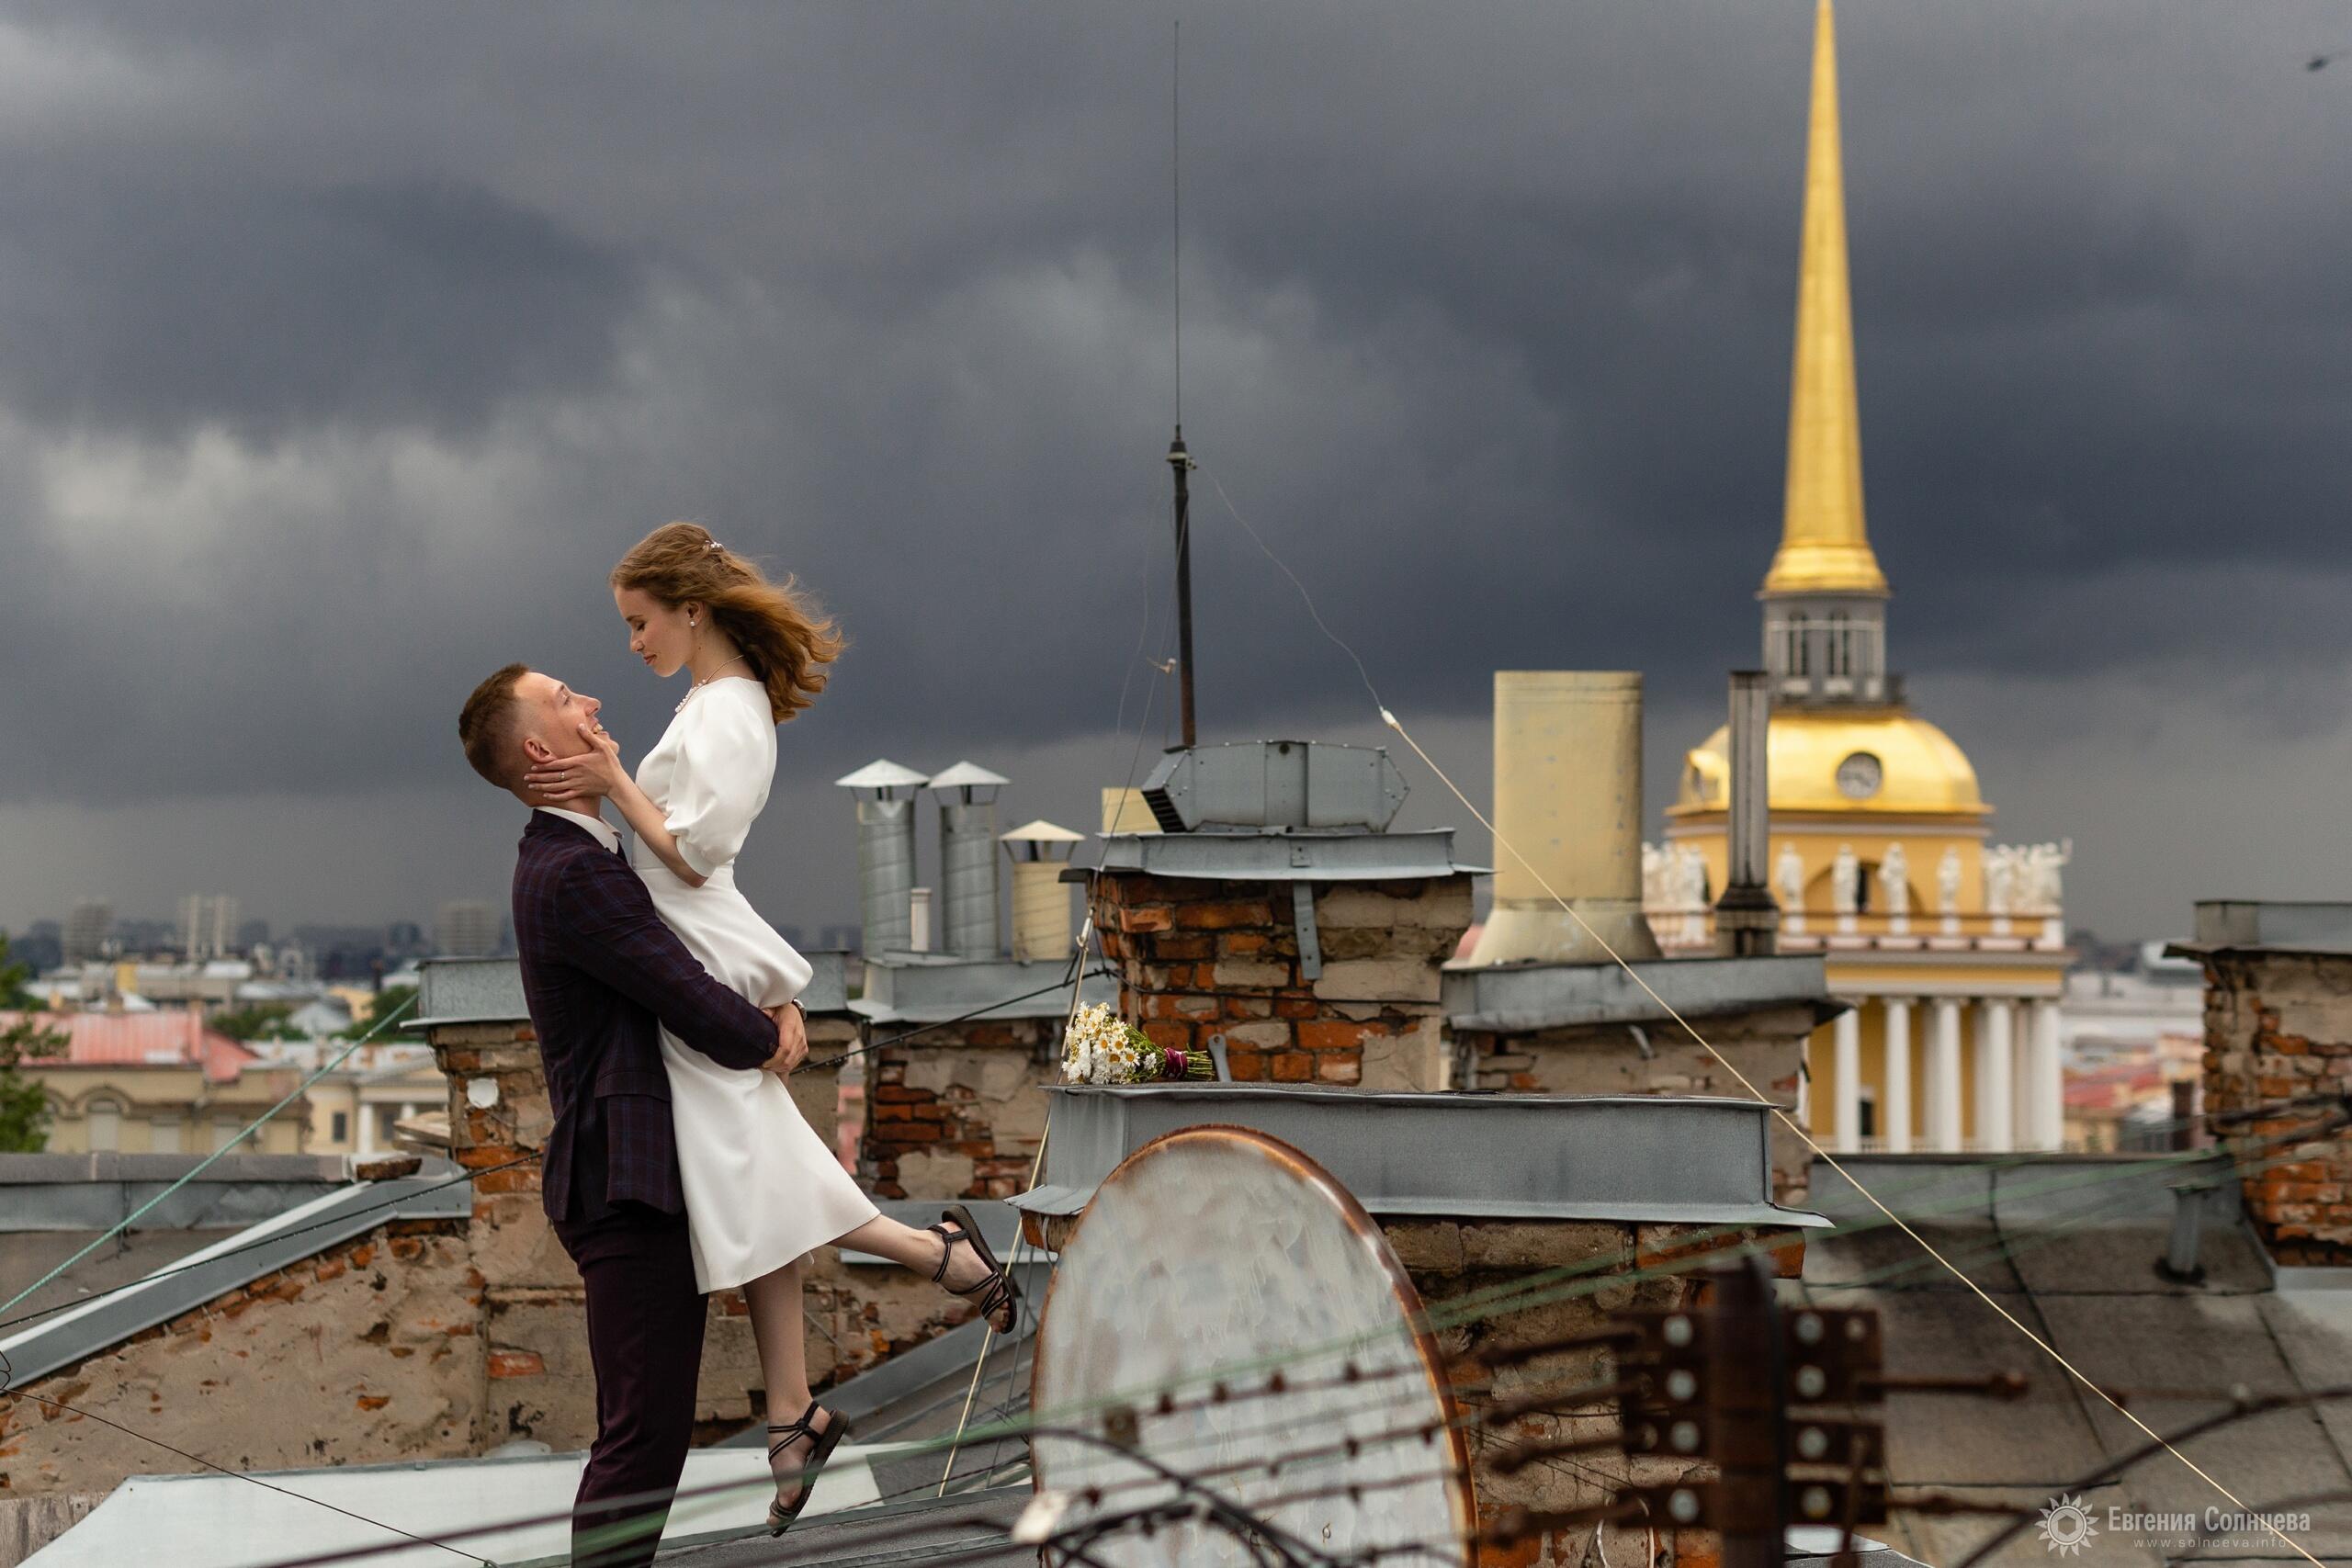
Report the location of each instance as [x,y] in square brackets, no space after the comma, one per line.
[1765,1046]
[368,1353]
[960,1112]
[1574,1274]
[2279,1027]
[443,1339]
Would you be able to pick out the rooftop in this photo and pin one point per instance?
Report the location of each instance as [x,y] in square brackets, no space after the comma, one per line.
[160,1039]
[2224,924]
[2069,1245]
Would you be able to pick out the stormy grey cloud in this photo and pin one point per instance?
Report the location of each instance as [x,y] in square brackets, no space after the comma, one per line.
[342,349]
[259,311]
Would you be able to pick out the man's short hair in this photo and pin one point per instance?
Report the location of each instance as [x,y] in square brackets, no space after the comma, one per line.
[487,728]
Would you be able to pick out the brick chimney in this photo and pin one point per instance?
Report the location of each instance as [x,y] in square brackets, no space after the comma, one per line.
[2278,1028]
[1275,912]
[956,1109]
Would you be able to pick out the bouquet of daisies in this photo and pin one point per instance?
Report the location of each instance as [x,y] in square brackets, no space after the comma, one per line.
[1103,1048]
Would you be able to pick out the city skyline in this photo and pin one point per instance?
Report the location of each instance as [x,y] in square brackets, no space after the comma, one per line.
[1516,401]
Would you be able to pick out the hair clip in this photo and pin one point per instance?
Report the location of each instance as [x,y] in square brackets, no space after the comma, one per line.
[715,544]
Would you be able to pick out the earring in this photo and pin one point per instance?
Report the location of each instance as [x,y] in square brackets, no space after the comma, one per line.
[690,623]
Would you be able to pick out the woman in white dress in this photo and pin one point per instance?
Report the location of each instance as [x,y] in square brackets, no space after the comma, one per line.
[761,1189]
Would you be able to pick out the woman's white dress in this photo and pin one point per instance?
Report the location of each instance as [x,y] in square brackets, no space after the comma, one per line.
[761,1188]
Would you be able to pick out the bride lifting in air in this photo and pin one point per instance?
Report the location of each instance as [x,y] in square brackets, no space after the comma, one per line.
[761,1189]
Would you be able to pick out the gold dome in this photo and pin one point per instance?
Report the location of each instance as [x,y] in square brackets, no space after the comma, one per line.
[1883,763]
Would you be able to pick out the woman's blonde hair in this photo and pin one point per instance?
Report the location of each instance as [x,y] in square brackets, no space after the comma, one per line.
[784,641]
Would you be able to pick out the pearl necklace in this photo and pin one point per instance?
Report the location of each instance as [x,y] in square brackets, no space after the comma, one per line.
[699,685]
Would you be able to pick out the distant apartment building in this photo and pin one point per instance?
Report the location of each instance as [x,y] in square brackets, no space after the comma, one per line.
[87,930]
[139,937]
[214,982]
[465,928]
[342,952]
[208,926]
[159,1083]
[40,947]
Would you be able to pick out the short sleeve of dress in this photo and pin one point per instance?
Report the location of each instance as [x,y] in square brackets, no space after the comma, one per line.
[726,763]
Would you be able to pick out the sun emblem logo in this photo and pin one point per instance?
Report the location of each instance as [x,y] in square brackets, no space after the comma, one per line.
[2066,1526]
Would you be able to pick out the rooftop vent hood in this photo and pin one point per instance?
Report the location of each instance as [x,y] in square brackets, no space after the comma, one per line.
[1271,784]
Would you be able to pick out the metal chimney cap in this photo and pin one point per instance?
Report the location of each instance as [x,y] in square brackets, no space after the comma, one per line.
[883,775]
[1276,785]
[1041,831]
[964,774]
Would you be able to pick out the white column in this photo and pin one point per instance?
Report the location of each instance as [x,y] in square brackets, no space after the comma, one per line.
[1894,1104]
[1848,1085]
[367,1114]
[2049,1090]
[2021,1123]
[1944,1078]
[1993,1048]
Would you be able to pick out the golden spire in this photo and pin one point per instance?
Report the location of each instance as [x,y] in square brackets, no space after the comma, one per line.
[1823,548]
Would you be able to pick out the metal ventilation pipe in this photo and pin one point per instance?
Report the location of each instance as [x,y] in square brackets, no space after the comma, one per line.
[1040,896]
[967,880]
[1568,799]
[2181,1263]
[1748,920]
[886,854]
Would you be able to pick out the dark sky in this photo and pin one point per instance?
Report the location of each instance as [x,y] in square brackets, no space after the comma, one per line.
[344,348]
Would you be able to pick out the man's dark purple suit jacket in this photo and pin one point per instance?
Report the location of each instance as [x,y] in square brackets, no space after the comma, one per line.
[601,975]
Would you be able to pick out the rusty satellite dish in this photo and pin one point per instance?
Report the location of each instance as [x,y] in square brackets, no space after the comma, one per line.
[1229,1339]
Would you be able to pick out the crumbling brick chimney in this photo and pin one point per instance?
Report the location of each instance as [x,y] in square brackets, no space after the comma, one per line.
[958,1108]
[1274,913]
[2278,1063]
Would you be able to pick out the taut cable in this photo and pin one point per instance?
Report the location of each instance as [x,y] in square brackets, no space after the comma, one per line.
[1502,843]
[1389,718]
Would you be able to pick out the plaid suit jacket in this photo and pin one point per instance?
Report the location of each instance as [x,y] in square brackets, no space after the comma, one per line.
[602,975]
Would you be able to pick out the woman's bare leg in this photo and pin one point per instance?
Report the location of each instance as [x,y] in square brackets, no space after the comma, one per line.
[781,1334]
[781,1338]
[915,1249]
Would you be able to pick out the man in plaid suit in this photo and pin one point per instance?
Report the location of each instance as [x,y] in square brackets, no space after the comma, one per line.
[602,976]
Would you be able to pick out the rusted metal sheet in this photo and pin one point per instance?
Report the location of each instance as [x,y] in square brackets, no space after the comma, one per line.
[1229,1335]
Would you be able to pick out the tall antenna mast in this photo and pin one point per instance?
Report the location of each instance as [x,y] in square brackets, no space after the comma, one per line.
[1178,460]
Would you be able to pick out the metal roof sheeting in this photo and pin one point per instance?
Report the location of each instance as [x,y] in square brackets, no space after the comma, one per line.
[238,1258]
[1522,998]
[1654,1158]
[173,1039]
[2068,1245]
[915,988]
